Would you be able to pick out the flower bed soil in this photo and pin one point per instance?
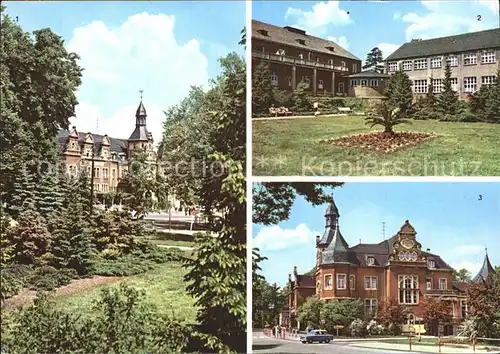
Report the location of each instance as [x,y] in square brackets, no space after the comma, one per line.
[382,142]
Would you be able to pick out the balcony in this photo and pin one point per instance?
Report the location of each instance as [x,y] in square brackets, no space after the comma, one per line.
[438,292]
[298,61]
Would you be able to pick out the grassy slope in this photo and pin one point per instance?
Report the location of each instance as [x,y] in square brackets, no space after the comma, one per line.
[292,147]
[164,287]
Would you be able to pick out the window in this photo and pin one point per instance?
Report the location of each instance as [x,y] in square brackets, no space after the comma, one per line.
[488,80]
[104,173]
[354,68]
[370,261]
[289,81]
[452,60]
[364,82]
[393,66]
[274,79]
[341,87]
[343,64]
[309,56]
[407,65]
[408,289]
[306,80]
[330,61]
[420,64]
[328,282]
[320,84]
[97,187]
[488,57]
[464,308]
[301,56]
[428,283]
[341,282]
[96,172]
[280,52]
[437,85]
[374,82]
[420,86]
[431,264]
[436,62]
[371,307]
[454,84]
[370,283]
[317,59]
[443,284]
[470,84]
[113,173]
[470,59]
[354,82]
[352,282]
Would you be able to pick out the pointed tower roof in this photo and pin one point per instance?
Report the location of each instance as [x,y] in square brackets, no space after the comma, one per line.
[332,209]
[331,225]
[485,270]
[337,249]
[141,110]
[140,132]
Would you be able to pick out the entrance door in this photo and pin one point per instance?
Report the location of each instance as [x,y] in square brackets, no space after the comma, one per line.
[341,87]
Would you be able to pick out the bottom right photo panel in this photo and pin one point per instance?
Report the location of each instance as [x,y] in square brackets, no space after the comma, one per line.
[379,267]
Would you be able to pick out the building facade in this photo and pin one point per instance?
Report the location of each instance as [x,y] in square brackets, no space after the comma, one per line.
[396,268]
[111,156]
[294,56]
[368,84]
[474,59]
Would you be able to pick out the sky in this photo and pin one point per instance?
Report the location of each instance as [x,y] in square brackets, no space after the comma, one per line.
[160,47]
[359,26]
[455,220]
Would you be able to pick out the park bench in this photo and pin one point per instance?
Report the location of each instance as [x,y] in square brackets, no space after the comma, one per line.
[280,111]
[344,109]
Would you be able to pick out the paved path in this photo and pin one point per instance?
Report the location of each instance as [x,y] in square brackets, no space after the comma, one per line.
[264,344]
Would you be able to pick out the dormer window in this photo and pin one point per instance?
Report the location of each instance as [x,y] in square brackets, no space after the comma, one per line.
[263,32]
[301,41]
[330,48]
[431,264]
[301,56]
[370,261]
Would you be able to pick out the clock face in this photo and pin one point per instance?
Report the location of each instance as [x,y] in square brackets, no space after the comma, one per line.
[407,244]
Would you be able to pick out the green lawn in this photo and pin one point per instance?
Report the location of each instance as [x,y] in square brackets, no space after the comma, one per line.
[164,287]
[173,243]
[293,148]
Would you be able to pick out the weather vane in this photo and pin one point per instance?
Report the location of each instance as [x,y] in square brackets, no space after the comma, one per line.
[141,91]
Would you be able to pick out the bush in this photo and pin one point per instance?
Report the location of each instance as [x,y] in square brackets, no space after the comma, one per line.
[394,329]
[13,278]
[374,328]
[358,328]
[49,278]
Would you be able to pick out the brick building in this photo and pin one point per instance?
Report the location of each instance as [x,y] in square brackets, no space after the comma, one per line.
[294,57]
[111,155]
[474,59]
[394,268]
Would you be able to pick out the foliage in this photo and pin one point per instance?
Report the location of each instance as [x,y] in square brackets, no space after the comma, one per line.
[122,324]
[391,312]
[387,116]
[13,278]
[434,312]
[47,278]
[310,312]
[272,201]
[462,275]
[283,98]
[426,108]
[374,61]
[39,81]
[48,196]
[448,99]
[374,328]
[358,328]
[342,312]
[262,89]
[300,98]
[485,103]
[483,298]
[267,302]
[399,92]
[23,194]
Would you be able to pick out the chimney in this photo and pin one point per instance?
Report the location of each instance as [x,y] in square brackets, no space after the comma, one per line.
[290,278]
[317,239]
[295,271]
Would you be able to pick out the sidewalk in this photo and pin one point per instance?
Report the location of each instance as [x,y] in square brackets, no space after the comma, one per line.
[418,348]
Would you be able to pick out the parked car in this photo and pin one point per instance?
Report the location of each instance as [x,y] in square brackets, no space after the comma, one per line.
[316,335]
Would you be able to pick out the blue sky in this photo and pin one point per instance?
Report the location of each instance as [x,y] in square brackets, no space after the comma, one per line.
[160,47]
[449,219]
[360,26]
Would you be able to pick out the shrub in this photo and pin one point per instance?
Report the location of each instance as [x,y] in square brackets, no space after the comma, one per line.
[358,328]
[394,329]
[374,328]
[13,278]
[49,278]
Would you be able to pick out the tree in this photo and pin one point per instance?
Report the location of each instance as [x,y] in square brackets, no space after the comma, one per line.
[483,299]
[39,81]
[23,194]
[436,311]
[399,92]
[342,312]
[48,196]
[485,103]
[262,89]
[300,98]
[463,275]
[426,108]
[387,116]
[267,302]
[448,99]
[272,201]
[391,312]
[310,312]
[374,61]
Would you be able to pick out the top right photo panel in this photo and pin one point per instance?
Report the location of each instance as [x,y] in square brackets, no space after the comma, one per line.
[376,88]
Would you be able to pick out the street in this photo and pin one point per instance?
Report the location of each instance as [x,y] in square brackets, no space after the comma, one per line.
[263,344]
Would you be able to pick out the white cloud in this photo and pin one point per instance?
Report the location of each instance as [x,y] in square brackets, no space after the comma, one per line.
[492,5]
[341,41]
[387,48]
[472,267]
[274,238]
[466,250]
[322,14]
[396,16]
[141,53]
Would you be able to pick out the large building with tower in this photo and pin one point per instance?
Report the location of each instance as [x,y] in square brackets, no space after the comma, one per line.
[395,268]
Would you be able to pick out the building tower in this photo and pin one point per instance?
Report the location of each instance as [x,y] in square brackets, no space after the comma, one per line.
[485,271]
[141,140]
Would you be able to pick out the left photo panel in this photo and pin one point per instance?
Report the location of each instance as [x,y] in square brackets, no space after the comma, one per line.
[123,198]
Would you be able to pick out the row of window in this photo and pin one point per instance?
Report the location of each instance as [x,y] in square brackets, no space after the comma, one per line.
[104,188]
[487,57]
[364,82]
[306,80]
[73,171]
[469,84]
[371,307]
[407,284]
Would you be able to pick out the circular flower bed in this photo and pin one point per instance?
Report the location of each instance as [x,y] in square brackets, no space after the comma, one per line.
[381,142]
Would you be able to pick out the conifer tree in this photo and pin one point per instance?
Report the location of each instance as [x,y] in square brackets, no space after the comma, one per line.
[448,99]
[262,89]
[300,98]
[23,195]
[399,92]
[374,61]
[48,195]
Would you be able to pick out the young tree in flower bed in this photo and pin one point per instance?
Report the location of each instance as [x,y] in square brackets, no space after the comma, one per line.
[387,116]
